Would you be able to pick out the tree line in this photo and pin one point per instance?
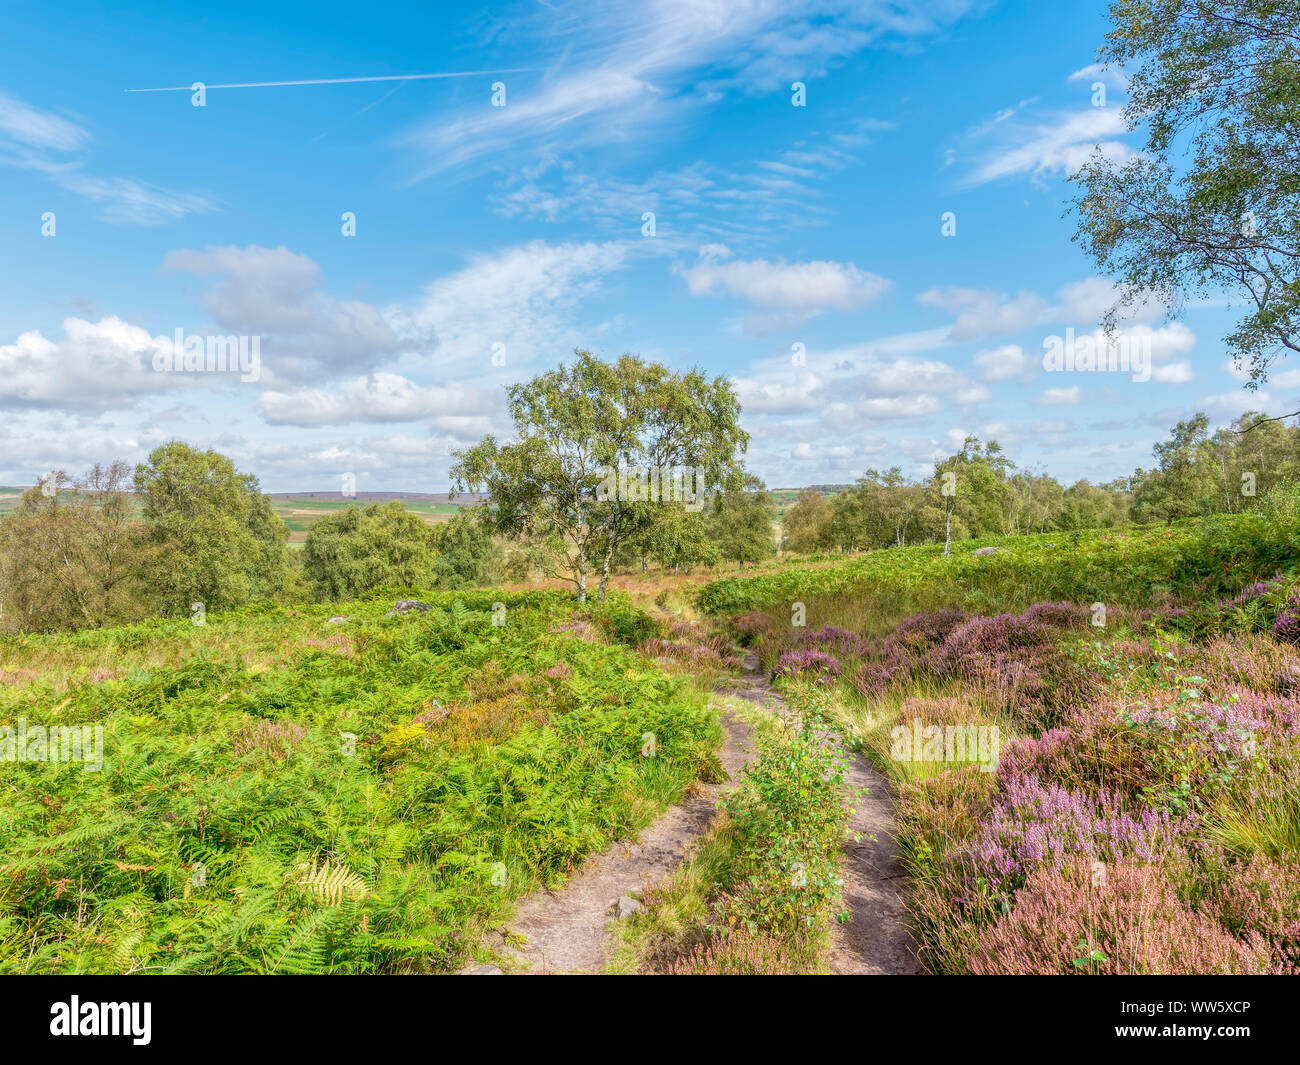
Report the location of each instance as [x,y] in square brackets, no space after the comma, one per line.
[979,492]
[185,533]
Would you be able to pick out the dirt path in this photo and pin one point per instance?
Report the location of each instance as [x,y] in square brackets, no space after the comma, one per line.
[566,930]
[875,939]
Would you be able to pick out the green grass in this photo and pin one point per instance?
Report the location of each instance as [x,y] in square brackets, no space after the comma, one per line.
[1147,565]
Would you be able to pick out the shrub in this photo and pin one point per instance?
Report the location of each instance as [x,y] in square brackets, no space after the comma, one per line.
[1259,895]
[737,952]
[844,643]
[818,665]
[355,550]
[1034,826]
[1129,923]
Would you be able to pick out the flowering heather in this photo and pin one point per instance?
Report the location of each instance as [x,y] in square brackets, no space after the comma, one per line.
[1130,923]
[1012,659]
[993,635]
[583,630]
[704,653]
[1287,625]
[818,663]
[1094,748]
[1242,660]
[748,626]
[1032,826]
[873,679]
[1262,895]
[1253,591]
[1288,680]
[923,631]
[559,671]
[1054,615]
[845,643]
[1279,714]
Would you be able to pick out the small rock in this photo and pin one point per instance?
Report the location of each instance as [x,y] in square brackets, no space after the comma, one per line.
[338,619]
[984,552]
[405,606]
[481,970]
[625,907]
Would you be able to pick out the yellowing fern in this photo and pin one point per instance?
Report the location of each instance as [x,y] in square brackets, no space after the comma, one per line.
[331,881]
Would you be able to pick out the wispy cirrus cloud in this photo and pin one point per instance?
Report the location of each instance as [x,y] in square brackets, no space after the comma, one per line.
[54,146]
[631,71]
[1054,146]
[741,203]
[1024,141]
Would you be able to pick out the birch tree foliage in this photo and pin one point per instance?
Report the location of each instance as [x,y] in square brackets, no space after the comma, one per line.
[577,423]
[1210,208]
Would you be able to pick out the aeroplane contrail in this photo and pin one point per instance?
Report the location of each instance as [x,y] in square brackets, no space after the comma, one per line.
[338,81]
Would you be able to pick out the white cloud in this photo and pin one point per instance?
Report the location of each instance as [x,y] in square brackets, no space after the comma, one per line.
[628,71]
[1175,373]
[1086,302]
[887,407]
[1005,363]
[97,366]
[521,297]
[379,397]
[788,291]
[982,313]
[1060,397]
[1286,380]
[24,124]
[1111,77]
[1228,406]
[275,294]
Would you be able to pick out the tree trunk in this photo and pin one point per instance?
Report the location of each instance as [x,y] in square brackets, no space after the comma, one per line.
[947,533]
[604,570]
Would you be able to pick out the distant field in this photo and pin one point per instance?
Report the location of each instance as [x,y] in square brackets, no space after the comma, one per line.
[300,511]
[784,498]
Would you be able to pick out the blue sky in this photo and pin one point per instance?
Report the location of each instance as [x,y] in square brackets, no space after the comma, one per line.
[519,229]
